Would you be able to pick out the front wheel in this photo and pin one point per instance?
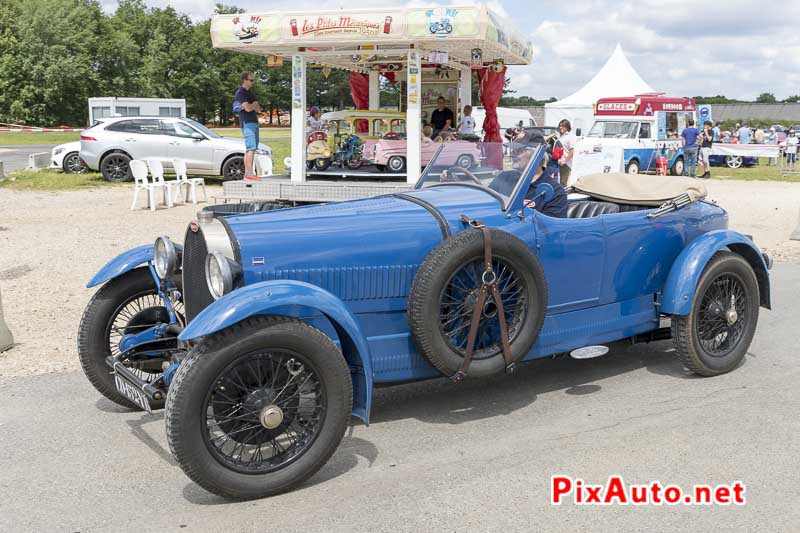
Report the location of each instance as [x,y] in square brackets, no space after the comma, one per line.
[73,164]
[322,163]
[396,164]
[678,167]
[353,164]
[258,408]
[465,161]
[714,337]
[633,167]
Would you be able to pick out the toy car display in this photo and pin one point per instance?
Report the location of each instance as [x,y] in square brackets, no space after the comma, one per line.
[318,153]
[262,333]
[390,154]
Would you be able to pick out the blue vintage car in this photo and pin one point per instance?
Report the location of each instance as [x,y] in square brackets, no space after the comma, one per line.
[264,332]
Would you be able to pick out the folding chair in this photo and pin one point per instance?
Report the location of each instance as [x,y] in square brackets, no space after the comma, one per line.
[157,171]
[191,183]
[139,171]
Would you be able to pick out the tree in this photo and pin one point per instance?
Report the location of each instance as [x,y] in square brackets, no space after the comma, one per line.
[766,98]
[792,99]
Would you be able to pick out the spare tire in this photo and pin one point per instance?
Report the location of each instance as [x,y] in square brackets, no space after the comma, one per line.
[445,289]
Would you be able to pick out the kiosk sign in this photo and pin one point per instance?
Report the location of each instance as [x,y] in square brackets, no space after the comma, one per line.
[332,26]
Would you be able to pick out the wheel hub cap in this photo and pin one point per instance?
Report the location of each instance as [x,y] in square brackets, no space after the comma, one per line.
[731,316]
[271,416]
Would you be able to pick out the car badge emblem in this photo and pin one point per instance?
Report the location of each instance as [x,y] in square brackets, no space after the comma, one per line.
[258,260]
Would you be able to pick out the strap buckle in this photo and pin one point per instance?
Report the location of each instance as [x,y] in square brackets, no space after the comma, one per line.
[458,377]
[511,367]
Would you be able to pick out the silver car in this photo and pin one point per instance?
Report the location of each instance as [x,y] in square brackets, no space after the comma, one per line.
[110,145]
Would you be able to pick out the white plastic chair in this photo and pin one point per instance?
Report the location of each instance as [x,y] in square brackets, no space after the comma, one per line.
[139,171]
[157,171]
[191,183]
[262,165]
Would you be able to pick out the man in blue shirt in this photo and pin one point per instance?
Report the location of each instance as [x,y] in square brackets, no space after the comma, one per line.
[248,121]
[689,135]
[717,131]
[744,134]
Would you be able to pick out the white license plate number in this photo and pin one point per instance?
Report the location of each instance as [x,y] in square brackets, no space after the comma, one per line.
[132,393]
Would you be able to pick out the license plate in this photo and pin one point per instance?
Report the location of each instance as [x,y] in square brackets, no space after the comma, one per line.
[131,392]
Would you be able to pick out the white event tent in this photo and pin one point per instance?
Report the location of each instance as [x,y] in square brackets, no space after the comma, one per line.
[616,78]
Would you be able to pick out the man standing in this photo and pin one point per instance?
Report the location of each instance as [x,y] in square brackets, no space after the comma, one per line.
[568,142]
[441,118]
[771,138]
[689,135]
[717,133]
[744,134]
[248,107]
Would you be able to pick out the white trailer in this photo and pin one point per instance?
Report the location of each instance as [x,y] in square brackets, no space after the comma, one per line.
[123,106]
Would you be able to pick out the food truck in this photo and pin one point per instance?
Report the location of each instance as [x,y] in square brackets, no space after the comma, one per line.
[643,126]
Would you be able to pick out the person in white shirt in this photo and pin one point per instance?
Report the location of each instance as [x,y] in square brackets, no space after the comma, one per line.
[771,138]
[568,142]
[314,122]
[791,150]
[467,125]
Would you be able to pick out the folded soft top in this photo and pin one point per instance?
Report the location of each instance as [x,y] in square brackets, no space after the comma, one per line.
[639,189]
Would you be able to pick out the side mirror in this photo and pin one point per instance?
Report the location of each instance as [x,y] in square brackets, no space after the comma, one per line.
[577,132]
[198,136]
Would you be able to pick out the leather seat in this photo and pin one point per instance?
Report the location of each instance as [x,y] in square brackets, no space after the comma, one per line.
[590,208]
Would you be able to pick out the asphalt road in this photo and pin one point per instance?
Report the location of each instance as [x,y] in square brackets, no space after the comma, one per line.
[15,157]
[444,457]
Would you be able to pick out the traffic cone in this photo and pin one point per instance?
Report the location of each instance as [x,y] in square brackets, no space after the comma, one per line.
[6,339]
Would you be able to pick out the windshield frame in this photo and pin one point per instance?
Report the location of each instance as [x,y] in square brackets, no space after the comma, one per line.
[514,200]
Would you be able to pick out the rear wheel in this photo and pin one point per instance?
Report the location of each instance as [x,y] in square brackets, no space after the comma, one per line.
[678,168]
[115,167]
[733,161]
[465,161]
[715,336]
[258,408]
[233,169]
[127,304]
[73,164]
[396,164]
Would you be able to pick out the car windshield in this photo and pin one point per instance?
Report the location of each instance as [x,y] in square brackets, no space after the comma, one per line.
[614,130]
[493,167]
[207,132]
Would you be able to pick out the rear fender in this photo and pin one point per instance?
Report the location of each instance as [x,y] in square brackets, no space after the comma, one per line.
[266,296]
[687,268]
[123,263]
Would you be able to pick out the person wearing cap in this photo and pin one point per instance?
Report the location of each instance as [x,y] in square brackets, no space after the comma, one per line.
[314,122]
[522,149]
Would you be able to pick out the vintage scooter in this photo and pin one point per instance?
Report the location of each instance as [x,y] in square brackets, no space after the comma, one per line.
[350,152]
[318,152]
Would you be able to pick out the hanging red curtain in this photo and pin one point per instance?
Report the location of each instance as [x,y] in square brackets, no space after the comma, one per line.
[491,86]
[359,90]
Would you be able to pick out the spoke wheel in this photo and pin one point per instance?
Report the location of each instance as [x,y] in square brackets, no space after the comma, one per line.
[264,411]
[733,161]
[125,305]
[458,299]
[258,408]
[715,336]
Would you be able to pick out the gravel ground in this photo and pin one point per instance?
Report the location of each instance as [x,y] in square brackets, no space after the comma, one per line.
[53,243]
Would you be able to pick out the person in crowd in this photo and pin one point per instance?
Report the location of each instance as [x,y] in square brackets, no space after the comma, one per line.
[249,108]
[771,138]
[442,117]
[314,122]
[717,132]
[706,141]
[427,131]
[758,136]
[726,136]
[568,142]
[791,150]
[467,126]
[744,134]
[689,136]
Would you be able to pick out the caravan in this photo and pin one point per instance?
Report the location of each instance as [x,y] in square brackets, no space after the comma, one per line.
[644,127]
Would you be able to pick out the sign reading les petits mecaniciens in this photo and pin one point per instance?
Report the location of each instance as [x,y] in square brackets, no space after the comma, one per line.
[345,26]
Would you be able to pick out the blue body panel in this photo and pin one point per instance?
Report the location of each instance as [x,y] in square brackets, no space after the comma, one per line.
[273,297]
[122,263]
[688,266]
[646,157]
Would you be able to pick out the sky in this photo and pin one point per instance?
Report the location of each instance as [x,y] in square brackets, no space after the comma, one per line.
[737,48]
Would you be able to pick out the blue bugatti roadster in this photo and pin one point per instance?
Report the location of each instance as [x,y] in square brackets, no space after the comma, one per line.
[262,333]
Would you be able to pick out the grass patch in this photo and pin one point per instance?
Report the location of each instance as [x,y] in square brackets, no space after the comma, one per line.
[54,180]
[11,139]
[759,173]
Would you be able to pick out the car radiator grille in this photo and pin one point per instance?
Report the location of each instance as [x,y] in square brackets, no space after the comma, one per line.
[196,296]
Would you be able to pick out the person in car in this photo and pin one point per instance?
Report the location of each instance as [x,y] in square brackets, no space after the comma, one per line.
[521,152]
[314,122]
[441,118]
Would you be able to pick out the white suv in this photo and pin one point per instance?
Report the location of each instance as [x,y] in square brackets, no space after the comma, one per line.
[111,144]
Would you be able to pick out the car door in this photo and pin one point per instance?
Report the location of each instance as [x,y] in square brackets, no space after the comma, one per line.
[143,138]
[188,144]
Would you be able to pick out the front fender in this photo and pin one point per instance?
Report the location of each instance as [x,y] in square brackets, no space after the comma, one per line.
[261,298]
[122,263]
[689,265]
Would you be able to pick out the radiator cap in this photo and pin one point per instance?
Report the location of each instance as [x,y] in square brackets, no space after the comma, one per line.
[588,352]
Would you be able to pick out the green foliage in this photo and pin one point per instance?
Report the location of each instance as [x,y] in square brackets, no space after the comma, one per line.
[766,98]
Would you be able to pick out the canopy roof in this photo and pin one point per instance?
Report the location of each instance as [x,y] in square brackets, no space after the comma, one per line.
[616,78]
[359,40]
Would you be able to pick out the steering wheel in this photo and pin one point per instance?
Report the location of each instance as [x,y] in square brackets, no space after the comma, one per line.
[455,170]
[391,136]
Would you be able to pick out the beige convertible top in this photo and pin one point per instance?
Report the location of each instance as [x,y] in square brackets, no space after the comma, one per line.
[639,189]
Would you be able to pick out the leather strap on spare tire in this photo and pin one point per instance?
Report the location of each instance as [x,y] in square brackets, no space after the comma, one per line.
[453,311]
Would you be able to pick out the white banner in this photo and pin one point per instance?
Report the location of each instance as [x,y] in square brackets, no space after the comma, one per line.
[747,150]
[596,159]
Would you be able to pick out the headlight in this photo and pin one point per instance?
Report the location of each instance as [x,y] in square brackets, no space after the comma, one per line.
[326,153]
[165,258]
[219,275]
[57,151]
